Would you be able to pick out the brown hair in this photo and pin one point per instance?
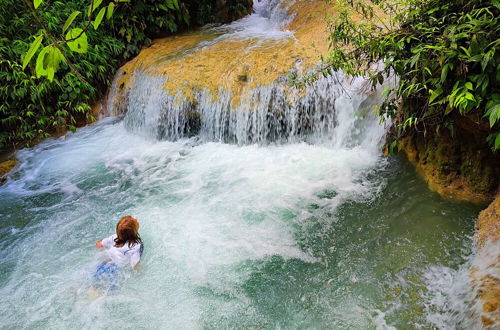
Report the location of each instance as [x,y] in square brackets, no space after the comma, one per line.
[127,230]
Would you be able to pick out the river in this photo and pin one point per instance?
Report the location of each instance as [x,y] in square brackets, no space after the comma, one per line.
[252,219]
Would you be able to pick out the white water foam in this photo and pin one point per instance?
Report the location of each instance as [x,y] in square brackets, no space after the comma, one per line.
[204,210]
[267,22]
[451,298]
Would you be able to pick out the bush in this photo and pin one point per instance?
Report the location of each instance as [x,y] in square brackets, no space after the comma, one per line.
[31,107]
[445,54]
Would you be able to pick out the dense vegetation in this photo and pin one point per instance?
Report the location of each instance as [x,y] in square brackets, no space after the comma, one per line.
[35,104]
[445,54]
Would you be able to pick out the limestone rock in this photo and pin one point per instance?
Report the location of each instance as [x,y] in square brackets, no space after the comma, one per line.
[6,167]
[486,270]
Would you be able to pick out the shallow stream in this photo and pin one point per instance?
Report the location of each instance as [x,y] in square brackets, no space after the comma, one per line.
[295,235]
[252,222]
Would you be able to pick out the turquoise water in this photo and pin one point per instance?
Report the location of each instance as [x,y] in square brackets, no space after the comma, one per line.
[288,236]
[280,213]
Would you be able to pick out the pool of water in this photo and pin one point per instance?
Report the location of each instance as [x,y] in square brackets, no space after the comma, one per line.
[278,236]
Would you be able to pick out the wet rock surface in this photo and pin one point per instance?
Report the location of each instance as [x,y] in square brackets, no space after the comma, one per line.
[460,166]
[5,167]
[486,270]
[258,50]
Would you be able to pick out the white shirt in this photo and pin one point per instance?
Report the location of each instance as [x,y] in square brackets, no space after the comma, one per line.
[124,255]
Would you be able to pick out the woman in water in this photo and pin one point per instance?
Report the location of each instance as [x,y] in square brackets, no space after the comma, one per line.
[123,249]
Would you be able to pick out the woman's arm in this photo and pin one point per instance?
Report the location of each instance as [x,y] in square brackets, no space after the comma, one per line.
[105,242]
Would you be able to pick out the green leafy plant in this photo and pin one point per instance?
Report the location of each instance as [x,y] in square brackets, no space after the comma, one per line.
[58,57]
[444,53]
[53,55]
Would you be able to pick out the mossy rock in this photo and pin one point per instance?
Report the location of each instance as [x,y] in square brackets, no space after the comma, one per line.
[458,162]
[7,166]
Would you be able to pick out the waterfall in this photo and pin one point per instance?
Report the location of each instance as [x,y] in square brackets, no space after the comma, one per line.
[332,109]
[268,21]
[275,113]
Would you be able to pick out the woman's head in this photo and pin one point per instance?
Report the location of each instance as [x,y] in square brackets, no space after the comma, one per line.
[127,230]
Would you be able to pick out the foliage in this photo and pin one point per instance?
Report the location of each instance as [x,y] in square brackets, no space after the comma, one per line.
[444,53]
[238,8]
[51,56]
[141,20]
[32,105]
[78,44]
[208,11]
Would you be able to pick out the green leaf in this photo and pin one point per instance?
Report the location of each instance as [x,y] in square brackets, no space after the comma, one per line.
[393,147]
[386,92]
[497,142]
[70,20]
[435,94]
[493,113]
[80,44]
[111,8]
[40,70]
[95,4]
[37,3]
[414,59]
[99,18]
[33,48]
[53,58]
[172,4]
[48,62]
[50,73]
[476,58]
[469,97]
[444,71]
[486,58]
[468,85]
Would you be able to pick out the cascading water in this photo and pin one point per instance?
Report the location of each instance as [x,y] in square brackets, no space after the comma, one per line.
[275,113]
[273,211]
[267,22]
